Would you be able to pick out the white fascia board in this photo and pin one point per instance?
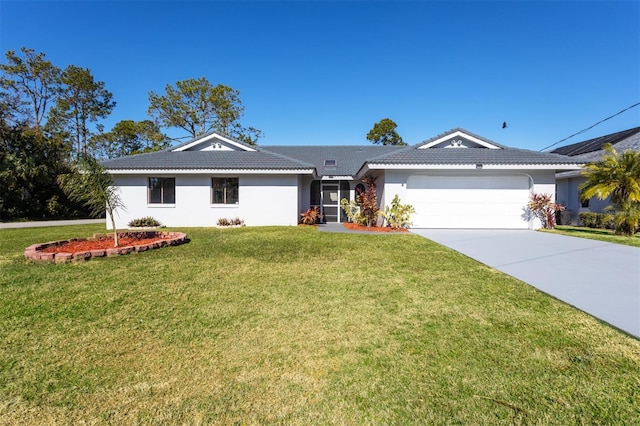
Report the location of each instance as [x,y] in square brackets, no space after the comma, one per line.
[213,136]
[473,166]
[336,177]
[458,133]
[210,172]
[570,174]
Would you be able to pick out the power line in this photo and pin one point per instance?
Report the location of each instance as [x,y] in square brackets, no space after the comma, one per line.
[591,127]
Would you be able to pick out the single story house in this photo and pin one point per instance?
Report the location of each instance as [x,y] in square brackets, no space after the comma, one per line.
[454,180]
[589,151]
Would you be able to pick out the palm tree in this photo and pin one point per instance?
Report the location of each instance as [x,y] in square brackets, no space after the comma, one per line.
[617,176]
[92,185]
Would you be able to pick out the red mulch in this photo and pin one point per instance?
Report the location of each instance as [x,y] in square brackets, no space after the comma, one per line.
[101,244]
[356,227]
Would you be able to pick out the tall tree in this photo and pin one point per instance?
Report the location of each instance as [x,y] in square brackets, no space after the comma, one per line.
[617,176]
[29,165]
[128,137]
[384,132]
[81,102]
[29,85]
[198,107]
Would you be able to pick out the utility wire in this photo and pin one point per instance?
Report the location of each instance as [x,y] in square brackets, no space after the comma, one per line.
[591,127]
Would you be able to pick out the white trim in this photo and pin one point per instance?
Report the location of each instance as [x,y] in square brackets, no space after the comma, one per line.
[210,171]
[573,173]
[211,136]
[336,177]
[472,166]
[458,133]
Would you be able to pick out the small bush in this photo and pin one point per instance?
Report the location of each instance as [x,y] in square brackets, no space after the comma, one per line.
[230,222]
[398,215]
[144,222]
[590,219]
[311,216]
[352,210]
[544,209]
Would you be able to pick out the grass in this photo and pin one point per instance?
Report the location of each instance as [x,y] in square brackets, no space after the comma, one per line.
[596,234]
[294,326]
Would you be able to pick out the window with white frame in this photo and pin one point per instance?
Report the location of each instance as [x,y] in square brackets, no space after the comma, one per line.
[161,190]
[224,190]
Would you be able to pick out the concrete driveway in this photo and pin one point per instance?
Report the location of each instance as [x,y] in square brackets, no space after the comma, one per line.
[602,279]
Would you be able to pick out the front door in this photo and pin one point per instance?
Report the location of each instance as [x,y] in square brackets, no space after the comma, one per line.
[332,192]
[331,202]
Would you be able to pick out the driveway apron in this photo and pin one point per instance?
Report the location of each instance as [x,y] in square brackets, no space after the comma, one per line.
[600,278]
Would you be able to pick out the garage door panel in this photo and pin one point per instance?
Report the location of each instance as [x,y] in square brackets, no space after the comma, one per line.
[468,202]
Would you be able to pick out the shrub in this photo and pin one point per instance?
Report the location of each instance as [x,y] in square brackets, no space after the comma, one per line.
[368,201]
[544,209]
[144,222]
[625,220]
[352,210]
[223,221]
[590,219]
[598,220]
[310,216]
[398,215]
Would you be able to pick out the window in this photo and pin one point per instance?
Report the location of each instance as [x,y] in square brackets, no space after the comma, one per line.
[162,190]
[329,163]
[224,190]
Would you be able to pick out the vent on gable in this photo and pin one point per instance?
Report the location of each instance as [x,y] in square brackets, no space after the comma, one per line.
[329,163]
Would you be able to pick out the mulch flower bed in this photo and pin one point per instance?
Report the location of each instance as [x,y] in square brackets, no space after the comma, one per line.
[356,227]
[80,249]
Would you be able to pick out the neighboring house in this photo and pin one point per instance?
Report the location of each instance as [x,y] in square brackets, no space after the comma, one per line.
[589,151]
[454,180]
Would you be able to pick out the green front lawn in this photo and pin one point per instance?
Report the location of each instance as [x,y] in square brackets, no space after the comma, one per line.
[596,234]
[294,326]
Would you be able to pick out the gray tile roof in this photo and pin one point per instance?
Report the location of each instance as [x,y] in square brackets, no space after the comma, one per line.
[442,156]
[458,156]
[207,160]
[349,159]
[591,150]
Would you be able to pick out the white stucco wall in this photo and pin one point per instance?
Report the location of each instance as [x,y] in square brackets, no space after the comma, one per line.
[263,200]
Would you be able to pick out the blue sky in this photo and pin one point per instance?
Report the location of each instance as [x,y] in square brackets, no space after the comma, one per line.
[324,72]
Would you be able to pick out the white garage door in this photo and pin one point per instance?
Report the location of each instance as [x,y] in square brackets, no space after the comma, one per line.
[468,202]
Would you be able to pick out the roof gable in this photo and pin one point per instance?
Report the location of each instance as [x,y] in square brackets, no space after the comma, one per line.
[213,142]
[458,138]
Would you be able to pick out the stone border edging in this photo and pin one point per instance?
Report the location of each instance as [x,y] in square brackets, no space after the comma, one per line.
[34,251]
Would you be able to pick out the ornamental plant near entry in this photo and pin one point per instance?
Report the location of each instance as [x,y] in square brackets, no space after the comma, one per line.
[352,210]
[398,215]
[368,201]
[310,216]
[544,209]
